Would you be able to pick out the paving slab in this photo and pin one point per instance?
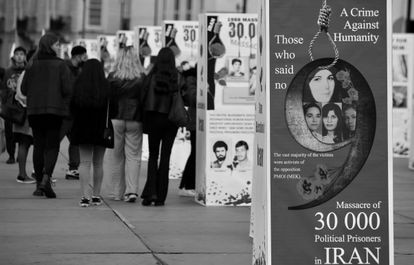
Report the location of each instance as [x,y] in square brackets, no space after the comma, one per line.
[78,259]
[206,259]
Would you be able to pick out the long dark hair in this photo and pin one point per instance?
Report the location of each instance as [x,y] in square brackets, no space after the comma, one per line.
[164,71]
[346,132]
[338,130]
[91,88]
[307,94]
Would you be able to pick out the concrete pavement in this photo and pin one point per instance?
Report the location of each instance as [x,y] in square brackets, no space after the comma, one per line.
[57,231]
[44,231]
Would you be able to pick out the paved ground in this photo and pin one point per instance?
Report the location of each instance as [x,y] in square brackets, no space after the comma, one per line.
[57,231]
[44,231]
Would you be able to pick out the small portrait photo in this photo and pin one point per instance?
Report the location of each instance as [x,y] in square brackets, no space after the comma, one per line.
[313,118]
[242,160]
[253,81]
[399,96]
[239,68]
[349,112]
[399,68]
[221,155]
[332,122]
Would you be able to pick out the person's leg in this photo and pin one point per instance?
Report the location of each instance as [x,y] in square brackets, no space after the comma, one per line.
[164,167]
[24,144]
[51,152]
[39,142]
[85,152]
[73,152]
[117,175]
[52,144]
[97,160]
[188,179]
[133,149]
[150,189]
[10,143]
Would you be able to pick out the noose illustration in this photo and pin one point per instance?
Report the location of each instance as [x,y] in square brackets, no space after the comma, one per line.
[323,22]
[327,181]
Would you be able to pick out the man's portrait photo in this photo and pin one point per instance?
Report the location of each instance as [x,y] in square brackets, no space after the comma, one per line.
[220,149]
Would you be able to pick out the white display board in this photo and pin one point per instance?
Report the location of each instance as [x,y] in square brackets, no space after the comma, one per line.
[182,37]
[402,84]
[125,38]
[148,42]
[108,46]
[91,46]
[225,115]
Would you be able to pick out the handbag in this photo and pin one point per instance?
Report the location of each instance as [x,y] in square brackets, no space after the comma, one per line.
[108,134]
[12,110]
[178,113]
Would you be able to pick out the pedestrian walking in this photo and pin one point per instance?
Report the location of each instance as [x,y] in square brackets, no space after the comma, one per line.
[18,63]
[126,83]
[89,109]
[23,133]
[75,63]
[163,82]
[47,86]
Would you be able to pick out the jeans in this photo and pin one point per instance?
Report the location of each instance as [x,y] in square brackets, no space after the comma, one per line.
[91,156]
[73,150]
[46,142]
[126,157]
[160,130]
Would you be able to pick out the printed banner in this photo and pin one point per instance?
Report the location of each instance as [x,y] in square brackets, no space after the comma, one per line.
[125,38]
[108,47]
[402,86]
[327,132]
[91,46]
[226,89]
[182,37]
[148,42]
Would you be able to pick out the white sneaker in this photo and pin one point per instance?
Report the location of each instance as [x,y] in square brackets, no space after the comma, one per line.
[186,193]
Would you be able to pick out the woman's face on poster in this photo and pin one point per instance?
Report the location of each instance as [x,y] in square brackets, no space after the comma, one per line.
[350,119]
[330,121]
[322,85]
[313,118]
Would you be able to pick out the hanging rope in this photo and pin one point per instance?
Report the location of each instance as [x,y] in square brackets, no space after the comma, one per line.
[323,23]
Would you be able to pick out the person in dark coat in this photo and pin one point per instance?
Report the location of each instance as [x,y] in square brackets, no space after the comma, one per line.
[48,89]
[75,63]
[90,113]
[11,75]
[189,92]
[163,83]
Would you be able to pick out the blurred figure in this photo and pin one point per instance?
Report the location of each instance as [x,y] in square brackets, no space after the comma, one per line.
[47,85]
[163,83]
[18,63]
[189,91]
[23,133]
[78,57]
[89,110]
[126,83]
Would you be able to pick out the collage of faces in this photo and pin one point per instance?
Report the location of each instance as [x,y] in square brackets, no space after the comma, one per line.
[329,114]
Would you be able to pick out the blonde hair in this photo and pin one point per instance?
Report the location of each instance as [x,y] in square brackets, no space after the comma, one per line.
[127,64]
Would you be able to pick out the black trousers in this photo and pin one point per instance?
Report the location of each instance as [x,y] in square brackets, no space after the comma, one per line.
[46,142]
[160,131]
[10,142]
[188,179]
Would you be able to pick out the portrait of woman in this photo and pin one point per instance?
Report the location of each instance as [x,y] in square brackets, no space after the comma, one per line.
[321,86]
[313,117]
[332,123]
[350,116]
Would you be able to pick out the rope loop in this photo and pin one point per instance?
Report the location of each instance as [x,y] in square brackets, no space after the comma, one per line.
[323,23]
